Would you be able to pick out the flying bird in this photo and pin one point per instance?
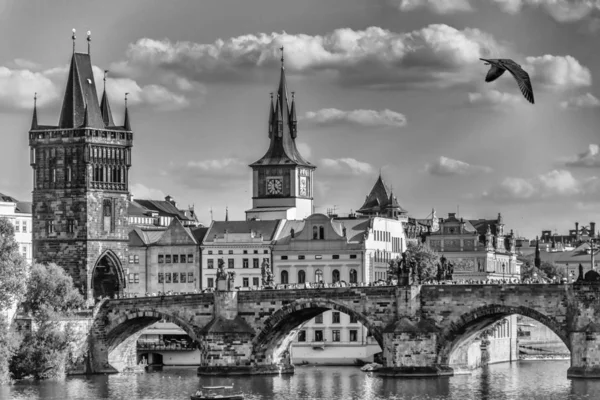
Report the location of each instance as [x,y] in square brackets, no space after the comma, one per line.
[499,65]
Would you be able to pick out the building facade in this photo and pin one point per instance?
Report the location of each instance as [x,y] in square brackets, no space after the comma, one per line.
[282,180]
[243,247]
[477,249]
[164,260]
[81,186]
[19,214]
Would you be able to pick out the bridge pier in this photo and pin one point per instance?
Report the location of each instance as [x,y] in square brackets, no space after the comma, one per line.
[585,353]
[410,350]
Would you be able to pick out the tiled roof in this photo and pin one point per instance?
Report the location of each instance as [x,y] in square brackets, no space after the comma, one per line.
[481,225]
[135,209]
[164,208]
[7,198]
[149,236]
[80,104]
[24,207]
[199,233]
[285,233]
[378,199]
[218,228]
[574,257]
[356,228]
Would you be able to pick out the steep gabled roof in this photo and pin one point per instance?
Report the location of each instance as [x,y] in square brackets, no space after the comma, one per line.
[24,207]
[80,94]
[164,208]
[7,198]
[379,199]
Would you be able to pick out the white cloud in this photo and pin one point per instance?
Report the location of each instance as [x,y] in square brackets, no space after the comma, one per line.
[437,6]
[558,72]
[347,166]
[587,100]
[367,118]
[445,166]
[560,10]
[437,55]
[304,149]
[554,185]
[589,158]
[495,98]
[213,174]
[17,87]
[225,165]
[142,192]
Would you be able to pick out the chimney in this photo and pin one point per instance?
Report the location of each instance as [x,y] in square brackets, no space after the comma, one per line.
[592,229]
[171,200]
[577,231]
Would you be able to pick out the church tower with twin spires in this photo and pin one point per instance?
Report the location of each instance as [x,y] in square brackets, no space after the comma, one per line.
[81,185]
[282,180]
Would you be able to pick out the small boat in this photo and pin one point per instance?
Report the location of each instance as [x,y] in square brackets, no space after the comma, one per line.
[216,392]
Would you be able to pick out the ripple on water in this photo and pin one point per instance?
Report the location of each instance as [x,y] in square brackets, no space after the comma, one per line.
[524,380]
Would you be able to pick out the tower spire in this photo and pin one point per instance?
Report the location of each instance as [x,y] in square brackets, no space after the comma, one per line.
[293,119]
[226,213]
[105,106]
[34,123]
[126,123]
[89,40]
[73,37]
[271,116]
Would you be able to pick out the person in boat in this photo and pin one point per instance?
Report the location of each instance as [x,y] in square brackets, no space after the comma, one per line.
[199,393]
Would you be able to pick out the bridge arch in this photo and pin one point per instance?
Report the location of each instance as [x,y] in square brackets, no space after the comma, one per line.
[472,323]
[277,332]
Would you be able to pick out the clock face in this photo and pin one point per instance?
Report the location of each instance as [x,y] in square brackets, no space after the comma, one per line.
[274,186]
[303,186]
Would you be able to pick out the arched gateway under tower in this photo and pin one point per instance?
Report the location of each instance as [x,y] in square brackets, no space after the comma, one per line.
[107,277]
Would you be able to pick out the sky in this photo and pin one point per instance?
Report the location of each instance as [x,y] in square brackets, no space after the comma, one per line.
[382,86]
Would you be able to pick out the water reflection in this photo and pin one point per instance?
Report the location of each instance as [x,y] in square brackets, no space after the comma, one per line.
[525,380]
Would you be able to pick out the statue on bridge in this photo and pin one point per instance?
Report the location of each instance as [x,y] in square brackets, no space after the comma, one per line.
[267,275]
[221,275]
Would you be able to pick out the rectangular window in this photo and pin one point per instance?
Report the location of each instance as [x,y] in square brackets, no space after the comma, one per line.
[182,258]
[284,257]
[175,258]
[168,277]
[191,277]
[50,226]
[175,277]
[161,277]
[182,278]
[352,256]
[136,278]
[265,251]
[245,251]
[161,258]
[70,226]
[255,282]
[230,251]
[336,257]
[24,226]
[167,259]
[210,282]
[301,257]
[24,251]
[319,319]
[336,317]
[318,336]
[302,336]
[190,258]
[220,251]
[353,335]
[210,252]
[353,319]
[210,263]
[245,263]
[318,257]
[17,226]
[255,263]
[230,263]
[130,259]
[245,282]
[335,335]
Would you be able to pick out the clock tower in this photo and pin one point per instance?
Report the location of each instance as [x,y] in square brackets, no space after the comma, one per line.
[282,180]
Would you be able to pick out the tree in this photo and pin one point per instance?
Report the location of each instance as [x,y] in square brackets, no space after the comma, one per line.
[50,293]
[12,267]
[9,343]
[425,259]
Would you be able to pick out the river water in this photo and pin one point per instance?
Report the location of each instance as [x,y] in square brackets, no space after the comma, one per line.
[523,380]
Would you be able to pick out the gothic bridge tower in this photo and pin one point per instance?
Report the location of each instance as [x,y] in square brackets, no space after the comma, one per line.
[81,185]
[282,180]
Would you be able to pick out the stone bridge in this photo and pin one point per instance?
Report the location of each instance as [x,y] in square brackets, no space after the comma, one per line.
[423,330]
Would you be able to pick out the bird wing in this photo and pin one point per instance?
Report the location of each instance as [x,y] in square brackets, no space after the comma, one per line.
[522,78]
[494,73]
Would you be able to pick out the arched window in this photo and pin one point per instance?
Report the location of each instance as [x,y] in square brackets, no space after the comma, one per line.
[321,232]
[335,276]
[315,232]
[318,275]
[301,276]
[107,214]
[353,276]
[284,277]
